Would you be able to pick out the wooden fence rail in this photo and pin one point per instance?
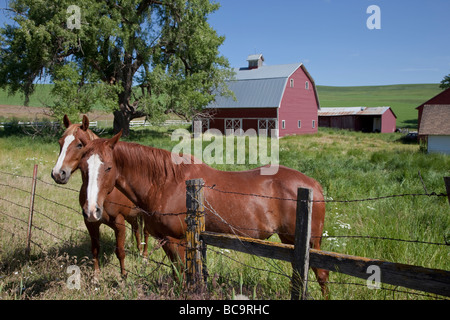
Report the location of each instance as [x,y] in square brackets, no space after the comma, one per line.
[409,276]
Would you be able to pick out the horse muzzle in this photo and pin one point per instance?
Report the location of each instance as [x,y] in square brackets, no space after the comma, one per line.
[61,176]
[93,214]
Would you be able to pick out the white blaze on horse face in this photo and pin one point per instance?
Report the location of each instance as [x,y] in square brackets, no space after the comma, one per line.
[67,141]
[94,164]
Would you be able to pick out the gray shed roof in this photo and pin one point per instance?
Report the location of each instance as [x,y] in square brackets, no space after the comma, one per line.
[262,87]
[348,111]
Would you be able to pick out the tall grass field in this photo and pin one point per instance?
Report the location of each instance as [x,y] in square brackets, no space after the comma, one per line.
[407,229]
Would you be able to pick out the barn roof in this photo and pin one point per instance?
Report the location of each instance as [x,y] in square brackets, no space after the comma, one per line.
[261,87]
[350,111]
[435,120]
[261,93]
[441,98]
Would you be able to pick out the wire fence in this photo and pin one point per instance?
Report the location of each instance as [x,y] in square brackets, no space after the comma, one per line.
[52,228]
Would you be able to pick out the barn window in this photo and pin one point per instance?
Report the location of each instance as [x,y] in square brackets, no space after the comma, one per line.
[314,124]
[299,124]
[233,124]
[292,83]
[307,85]
[283,124]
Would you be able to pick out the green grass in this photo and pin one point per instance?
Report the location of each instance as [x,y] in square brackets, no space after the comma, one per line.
[40,98]
[349,165]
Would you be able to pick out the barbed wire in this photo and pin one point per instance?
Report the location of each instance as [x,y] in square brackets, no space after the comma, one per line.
[238,228]
[213,187]
[211,211]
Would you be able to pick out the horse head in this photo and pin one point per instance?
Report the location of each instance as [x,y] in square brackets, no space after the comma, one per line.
[99,175]
[71,149]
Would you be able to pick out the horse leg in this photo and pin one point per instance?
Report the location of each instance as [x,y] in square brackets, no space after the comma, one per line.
[145,250]
[94,233]
[118,225]
[321,274]
[175,250]
[136,231]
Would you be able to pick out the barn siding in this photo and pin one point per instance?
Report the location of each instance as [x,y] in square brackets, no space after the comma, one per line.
[249,117]
[440,144]
[298,103]
[388,122]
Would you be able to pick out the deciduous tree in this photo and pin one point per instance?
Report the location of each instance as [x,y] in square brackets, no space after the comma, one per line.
[134,58]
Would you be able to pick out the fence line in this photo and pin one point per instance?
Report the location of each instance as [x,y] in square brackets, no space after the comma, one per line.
[419,278]
[239,193]
[213,187]
[183,213]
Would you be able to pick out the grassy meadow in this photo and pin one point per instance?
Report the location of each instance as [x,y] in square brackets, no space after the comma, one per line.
[349,165]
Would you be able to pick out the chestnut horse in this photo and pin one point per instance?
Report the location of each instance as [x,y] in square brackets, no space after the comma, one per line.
[118,208]
[154,182]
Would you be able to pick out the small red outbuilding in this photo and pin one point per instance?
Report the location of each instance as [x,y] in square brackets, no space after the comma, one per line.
[379,119]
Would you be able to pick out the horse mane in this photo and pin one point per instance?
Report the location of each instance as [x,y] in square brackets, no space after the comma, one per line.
[157,164]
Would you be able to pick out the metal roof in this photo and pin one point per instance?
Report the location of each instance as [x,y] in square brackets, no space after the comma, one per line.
[261,93]
[253,57]
[350,111]
[266,72]
[261,87]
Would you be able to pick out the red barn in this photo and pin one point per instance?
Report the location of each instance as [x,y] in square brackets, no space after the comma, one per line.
[442,98]
[281,97]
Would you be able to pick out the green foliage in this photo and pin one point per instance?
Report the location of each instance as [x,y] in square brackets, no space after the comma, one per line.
[445,83]
[165,48]
[73,94]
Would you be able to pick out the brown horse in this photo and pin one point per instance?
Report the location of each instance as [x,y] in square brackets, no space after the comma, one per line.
[118,208]
[154,182]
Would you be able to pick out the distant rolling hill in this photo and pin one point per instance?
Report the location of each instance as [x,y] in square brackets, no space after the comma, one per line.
[403,99]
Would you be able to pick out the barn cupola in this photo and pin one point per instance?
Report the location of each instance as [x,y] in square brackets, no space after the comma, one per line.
[255,61]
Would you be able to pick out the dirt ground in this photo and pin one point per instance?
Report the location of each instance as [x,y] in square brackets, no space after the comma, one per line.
[35,113]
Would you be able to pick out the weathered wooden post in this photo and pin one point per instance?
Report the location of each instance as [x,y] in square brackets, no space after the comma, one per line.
[300,262]
[195,220]
[447,187]
[30,215]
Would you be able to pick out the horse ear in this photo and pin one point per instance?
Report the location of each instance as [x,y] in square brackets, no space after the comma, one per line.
[66,121]
[112,142]
[85,123]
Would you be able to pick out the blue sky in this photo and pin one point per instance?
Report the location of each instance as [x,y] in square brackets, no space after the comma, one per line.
[332,40]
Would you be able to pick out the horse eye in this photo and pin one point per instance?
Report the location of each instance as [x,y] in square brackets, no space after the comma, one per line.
[108,169]
[79,146]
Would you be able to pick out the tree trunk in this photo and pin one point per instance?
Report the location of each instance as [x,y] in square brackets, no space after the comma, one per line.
[127,110]
[123,116]
[122,120]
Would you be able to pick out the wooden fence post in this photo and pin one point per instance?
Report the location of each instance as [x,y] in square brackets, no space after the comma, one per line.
[447,187]
[30,215]
[300,263]
[195,220]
